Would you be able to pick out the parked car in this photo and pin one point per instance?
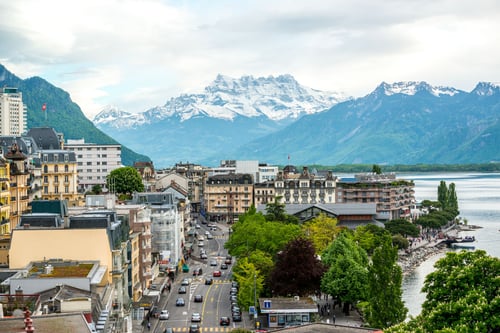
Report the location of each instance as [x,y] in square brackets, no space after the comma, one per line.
[236,316]
[196,317]
[154,312]
[198,298]
[180,302]
[194,328]
[224,321]
[200,244]
[217,273]
[182,290]
[164,315]
[234,284]
[169,330]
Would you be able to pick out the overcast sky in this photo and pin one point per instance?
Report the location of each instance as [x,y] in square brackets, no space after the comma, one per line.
[137,54]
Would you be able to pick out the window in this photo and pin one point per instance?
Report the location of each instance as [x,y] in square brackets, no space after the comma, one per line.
[56,179]
[45,179]
[56,189]
[56,158]
[66,179]
[56,168]
[66,157]
[46,190]
[66,168]
[89,163]
[66,189]
[45,169]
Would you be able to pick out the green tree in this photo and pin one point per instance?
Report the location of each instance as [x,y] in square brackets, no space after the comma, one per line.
[442,195]
[125,180]
[452,198]
[376,169]
[97,189]
[463,295]
[369,236]
[385,304]
[297,271]
[275,211]
[347,273]
[250,282]
[321,231]
[255,233]
[402,227]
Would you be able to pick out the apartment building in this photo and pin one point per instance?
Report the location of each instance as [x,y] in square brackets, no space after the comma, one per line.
[305,187]
[20,177]
[394,197]
[227,196]
[94,162]
[13,112]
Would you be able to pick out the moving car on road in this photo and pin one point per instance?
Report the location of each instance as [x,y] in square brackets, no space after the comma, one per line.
[196,317]
[217,273]
[224,321]
[180,302]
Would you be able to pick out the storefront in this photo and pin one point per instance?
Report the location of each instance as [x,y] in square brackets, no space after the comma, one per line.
[292,311]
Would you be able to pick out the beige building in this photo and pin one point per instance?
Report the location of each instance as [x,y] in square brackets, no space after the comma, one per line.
[228,196]
[59,176]
[19,184]
[305,188]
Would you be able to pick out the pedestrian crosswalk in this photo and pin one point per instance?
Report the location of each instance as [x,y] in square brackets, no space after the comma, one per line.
[205,329]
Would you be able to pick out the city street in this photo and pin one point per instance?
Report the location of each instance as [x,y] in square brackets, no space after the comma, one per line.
[215,301]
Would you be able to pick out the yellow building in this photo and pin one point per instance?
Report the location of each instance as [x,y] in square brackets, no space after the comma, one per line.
[4,197]
[59,176]
[228,196]
[19,184]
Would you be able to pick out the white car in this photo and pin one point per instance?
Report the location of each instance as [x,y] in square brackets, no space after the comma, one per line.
[195,317]
[207,233]
[209,236]
[164,315]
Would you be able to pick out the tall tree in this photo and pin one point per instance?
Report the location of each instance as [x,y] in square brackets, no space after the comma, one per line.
[386,307]
[463,295]
[442,194]
[452,198]
[297,271]
[250,282]
[125,180]
[321,231]
[347,273]
[376,169]
[369,237]
[402,227]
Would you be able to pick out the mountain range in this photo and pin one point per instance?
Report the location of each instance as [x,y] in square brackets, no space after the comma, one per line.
[275,118]
[271,119]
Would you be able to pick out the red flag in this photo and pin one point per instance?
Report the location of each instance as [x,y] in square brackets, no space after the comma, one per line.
[44,107]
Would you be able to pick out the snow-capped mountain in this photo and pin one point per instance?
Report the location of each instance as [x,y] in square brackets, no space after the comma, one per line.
[413,87]
[276,98]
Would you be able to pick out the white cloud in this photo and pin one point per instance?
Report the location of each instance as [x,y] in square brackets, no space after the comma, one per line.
[139,53]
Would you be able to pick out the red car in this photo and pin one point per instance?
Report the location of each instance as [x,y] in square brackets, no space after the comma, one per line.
[217,273]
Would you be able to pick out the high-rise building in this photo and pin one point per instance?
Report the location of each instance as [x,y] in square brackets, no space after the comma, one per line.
[13,113]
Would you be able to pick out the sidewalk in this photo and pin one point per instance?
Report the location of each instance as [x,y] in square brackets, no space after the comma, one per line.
[332,314]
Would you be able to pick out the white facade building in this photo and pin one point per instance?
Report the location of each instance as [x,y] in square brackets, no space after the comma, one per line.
[260,172]
[94,162]
[13,113]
